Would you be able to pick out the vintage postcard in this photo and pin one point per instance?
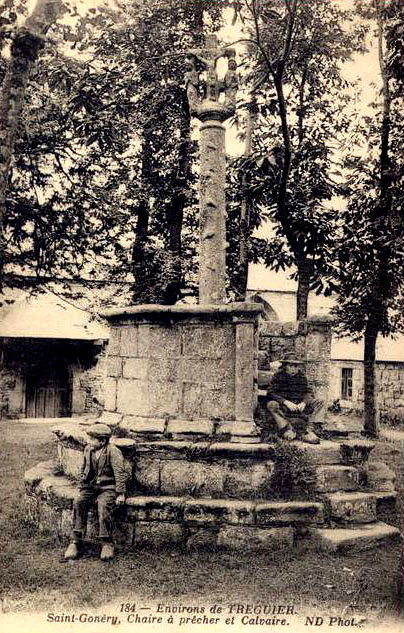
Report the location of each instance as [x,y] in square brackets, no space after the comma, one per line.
[201,334]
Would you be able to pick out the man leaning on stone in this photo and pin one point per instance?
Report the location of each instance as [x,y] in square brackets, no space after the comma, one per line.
[290,403]
[102,482]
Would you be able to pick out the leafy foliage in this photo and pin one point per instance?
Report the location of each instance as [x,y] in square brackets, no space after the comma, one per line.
[294,472]
[294,70]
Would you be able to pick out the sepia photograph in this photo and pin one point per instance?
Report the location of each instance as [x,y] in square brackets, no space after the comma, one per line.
[201,316]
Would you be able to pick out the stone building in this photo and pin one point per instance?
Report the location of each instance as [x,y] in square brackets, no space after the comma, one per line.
[346,384]
[52,357]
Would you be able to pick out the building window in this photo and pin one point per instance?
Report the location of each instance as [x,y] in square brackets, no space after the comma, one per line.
[346,383]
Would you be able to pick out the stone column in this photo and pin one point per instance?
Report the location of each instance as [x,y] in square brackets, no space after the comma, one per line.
[212,205]
[212,101]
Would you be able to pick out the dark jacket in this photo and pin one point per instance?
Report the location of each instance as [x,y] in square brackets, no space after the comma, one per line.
[286,386]
[110,471]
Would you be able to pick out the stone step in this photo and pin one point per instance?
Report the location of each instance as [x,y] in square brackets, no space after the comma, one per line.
[360,538]
[179,520]
[351,507]
[335,477]
[359,507]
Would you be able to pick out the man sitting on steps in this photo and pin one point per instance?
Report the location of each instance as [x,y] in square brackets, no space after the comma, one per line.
[291,404]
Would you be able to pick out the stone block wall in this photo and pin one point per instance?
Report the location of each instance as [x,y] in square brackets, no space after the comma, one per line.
[308,340]
[89,383]
[390,386]
[183,362]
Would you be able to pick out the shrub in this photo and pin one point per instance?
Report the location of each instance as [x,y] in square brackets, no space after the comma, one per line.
[294,474]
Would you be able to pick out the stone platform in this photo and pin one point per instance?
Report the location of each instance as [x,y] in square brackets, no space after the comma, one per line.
[210,492]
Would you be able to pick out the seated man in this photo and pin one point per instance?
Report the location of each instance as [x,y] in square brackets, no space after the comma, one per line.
[103,481]
[290,403]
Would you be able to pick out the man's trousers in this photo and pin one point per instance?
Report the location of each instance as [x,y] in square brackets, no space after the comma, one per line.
[104,499]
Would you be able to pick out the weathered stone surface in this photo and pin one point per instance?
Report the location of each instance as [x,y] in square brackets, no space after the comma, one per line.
[190,427]
[71,460]
[133,397]
[325,453]
[135,368]
[141,425]
[181,477]
[110,394]
[129,341]
[212,209]
[112,419]
[114,341]
[245,478]
[270,328]
[159,341]
[351,507]
[263,360]
[333,478]
[356,451]
[217,403]
[219,371]
[353,539]
[147,473]
[219,511]
[114,366]
[155,508]
[267,513]
[254,538]
[71,433]
[34,475]
[290,328]
[201,537]
[379,476]
[239,428]
[57,491]
[158,534]
[162,370]
[234,451]
[216,341]
[244,372]
[165,399]
[386,506]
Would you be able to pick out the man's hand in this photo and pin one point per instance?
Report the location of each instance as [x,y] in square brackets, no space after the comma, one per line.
[301,407]
[291,406]
[120,500]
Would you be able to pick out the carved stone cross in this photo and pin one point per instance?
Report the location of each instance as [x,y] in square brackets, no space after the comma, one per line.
[204,60]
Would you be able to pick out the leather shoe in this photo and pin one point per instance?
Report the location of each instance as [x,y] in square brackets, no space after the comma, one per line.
[289,435]
[107,552]
[73,551]
[310,438]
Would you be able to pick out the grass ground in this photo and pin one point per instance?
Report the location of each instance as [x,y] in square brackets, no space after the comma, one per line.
[33,577]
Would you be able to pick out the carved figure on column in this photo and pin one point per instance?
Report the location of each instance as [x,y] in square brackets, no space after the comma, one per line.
[191,81]
[231,79]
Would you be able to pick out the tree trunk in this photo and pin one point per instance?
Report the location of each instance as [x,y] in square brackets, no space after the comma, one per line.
[175,213]
[242,277]
[371,421]
[27,42]
[304,270]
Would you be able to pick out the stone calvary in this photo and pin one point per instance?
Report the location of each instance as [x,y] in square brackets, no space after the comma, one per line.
[185,405]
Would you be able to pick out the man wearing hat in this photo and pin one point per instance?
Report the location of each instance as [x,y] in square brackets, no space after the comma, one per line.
[290,403]
[103,482]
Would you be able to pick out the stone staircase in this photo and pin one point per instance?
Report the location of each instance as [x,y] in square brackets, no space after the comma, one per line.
[195,490]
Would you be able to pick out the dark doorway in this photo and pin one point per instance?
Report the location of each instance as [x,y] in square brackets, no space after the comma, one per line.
[48,390]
